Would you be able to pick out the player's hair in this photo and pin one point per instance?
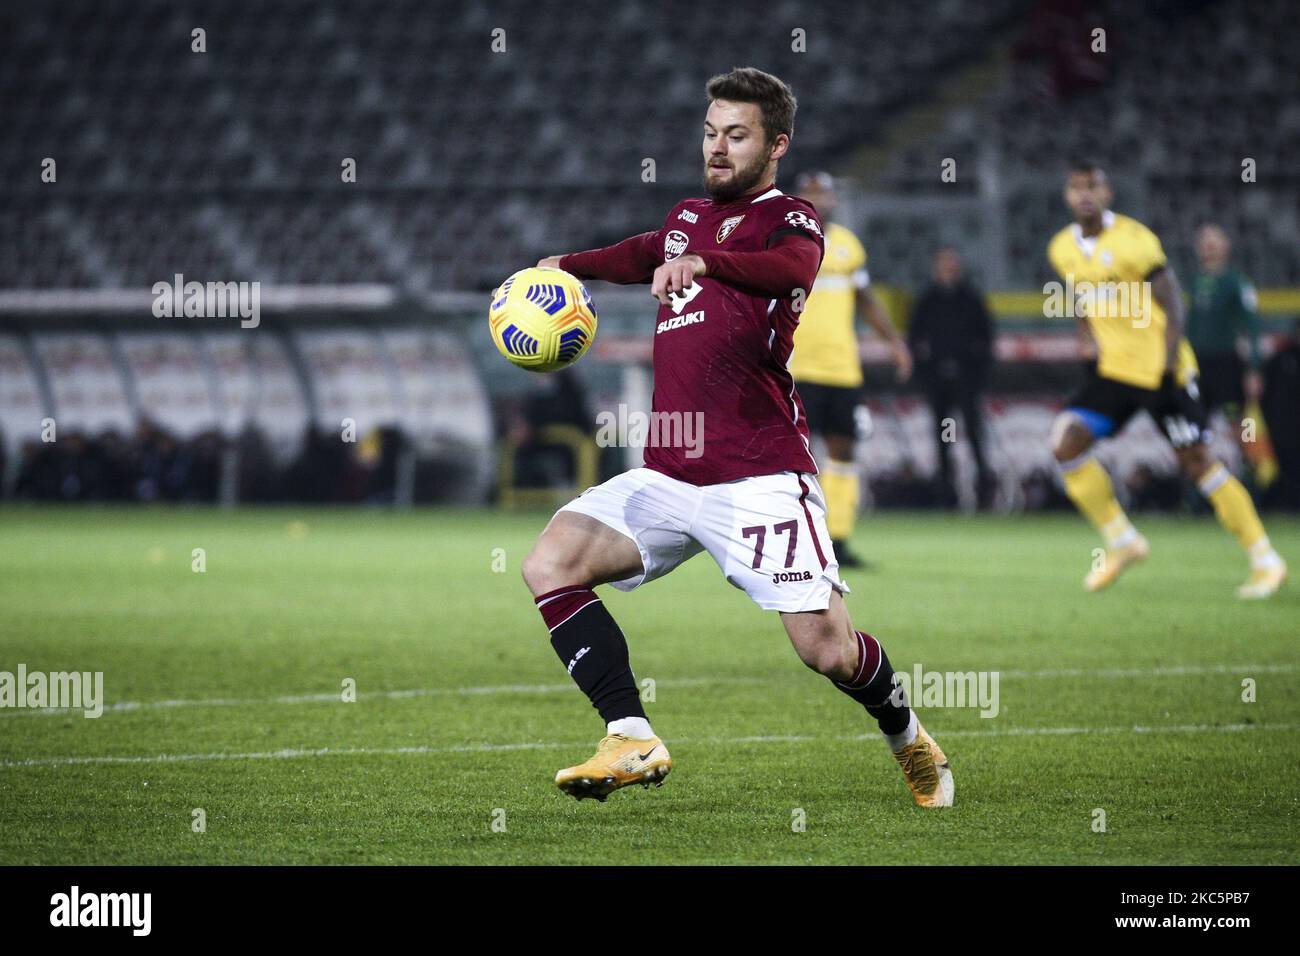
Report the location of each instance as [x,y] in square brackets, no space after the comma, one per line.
[775,101]
[1086,166]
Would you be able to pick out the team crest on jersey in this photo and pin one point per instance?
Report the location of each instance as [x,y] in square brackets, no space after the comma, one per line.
[675,244]
[728,226]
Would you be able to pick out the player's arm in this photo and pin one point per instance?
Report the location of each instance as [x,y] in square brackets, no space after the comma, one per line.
[776,272]
[877,316]
[632,260]
[1169,294]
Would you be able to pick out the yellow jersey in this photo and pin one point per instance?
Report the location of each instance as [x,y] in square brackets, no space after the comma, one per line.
[1106,281]
[826,342]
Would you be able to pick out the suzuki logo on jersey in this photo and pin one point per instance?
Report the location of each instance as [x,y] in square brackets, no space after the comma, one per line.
[796,218]
[677,321]
[783,577]
[689,216]
[675,244]
[728,226]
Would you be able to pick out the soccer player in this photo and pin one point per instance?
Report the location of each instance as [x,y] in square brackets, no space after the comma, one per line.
[826,363]
[727,271]
[1130,299]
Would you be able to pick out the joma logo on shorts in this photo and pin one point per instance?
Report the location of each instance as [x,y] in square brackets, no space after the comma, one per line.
[781,577]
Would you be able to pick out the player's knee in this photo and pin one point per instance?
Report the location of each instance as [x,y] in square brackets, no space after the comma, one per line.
[547,567]
[1069,437]
[828,655]
[839,447]
[1195,461]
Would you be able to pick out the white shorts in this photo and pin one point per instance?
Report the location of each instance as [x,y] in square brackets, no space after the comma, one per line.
[768,533]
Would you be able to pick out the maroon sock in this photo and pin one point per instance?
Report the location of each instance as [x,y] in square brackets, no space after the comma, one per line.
[872,686]
[593,649]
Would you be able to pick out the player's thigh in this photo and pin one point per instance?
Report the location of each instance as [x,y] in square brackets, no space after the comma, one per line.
[768,535]
[814,398]
[840,426]
[1070,436]
[1098,410]
[577,549]
[1180,414]
[623,532]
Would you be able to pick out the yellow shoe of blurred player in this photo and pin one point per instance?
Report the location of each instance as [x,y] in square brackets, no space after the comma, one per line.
[1114,561]
[926,770]
[1263,582]
[619,761]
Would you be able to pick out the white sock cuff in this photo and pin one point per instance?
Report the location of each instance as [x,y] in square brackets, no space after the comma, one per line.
[900,740]
[638,728]
[1214,479]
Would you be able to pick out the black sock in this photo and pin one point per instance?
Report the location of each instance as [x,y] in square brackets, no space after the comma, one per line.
[875,688]
[593,649]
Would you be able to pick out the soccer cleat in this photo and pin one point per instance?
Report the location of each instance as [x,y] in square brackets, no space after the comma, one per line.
[1114,561]
[1263,582]
[926,770]
[619,761]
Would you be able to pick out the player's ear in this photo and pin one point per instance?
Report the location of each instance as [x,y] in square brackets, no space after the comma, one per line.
[779,146]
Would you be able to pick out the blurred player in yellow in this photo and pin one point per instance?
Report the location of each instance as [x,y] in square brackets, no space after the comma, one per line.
[826,364]
[1127,297]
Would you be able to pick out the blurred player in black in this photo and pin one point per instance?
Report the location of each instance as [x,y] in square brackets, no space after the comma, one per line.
[951,336]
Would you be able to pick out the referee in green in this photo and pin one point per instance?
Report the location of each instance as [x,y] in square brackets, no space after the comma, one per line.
[1223,309]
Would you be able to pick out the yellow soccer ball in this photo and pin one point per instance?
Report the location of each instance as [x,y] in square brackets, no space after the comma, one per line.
[542,319]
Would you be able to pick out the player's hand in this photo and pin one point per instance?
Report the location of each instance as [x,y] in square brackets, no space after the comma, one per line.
[1253,386]
[676,275]
[550,262]
[902,361]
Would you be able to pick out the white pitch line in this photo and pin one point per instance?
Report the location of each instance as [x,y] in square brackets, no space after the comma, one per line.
[130,706]
[292,754]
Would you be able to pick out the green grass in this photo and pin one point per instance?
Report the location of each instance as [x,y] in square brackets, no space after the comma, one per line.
[293,601]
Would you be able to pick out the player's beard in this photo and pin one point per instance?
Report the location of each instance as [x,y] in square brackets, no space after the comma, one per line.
[742,180]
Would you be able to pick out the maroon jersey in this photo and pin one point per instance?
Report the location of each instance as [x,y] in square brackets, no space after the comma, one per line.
[721,349]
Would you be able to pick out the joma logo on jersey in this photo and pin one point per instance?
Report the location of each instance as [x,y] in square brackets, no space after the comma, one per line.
[689,216]
[675,244]
[783,577]
[677,321]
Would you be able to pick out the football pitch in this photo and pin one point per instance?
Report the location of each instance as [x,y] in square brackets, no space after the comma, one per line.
[1121,734]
